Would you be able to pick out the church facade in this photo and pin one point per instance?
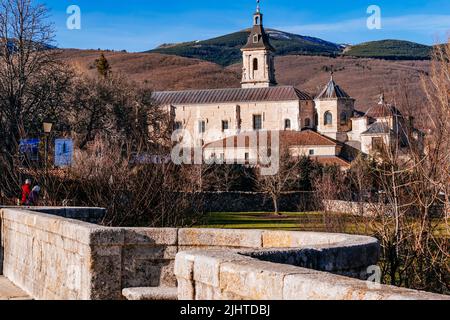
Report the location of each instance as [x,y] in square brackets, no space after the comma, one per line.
[320,127]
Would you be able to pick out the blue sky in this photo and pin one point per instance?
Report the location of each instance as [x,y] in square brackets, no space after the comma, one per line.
[139,25]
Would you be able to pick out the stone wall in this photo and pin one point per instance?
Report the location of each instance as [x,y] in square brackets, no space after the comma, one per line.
[353,208]
[225,275]
[52,257]
[371,209]
[86,214]
[57,258]
[258,202]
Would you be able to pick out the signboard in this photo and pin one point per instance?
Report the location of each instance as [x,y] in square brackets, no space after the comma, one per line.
[29,149]
[63,152]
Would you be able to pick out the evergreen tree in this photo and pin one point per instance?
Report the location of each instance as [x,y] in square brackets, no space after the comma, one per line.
[103,67]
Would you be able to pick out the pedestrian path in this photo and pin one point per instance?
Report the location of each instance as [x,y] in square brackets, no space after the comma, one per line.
[8,291]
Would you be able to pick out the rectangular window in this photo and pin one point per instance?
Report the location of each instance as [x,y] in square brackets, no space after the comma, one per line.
[224,125]
[311,152]
[201,127]
[377,144]
[247,156]
[257,122]
[287,124]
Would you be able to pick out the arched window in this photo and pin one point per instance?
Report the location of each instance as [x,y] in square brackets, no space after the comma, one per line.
[287,124]
[257,20]
[328,118]
[344,119]
[255,64]
[308,122]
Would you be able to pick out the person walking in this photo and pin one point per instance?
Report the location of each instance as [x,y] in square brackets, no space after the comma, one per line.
[26,190]
[33,198]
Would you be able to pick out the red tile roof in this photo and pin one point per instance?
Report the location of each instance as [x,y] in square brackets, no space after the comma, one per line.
[305,138]
[332,161]
[287,139]
[383,110]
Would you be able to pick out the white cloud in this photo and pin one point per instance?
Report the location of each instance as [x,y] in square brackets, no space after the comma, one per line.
[423,23]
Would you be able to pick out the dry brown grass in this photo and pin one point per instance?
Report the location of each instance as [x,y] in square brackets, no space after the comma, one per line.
[363,79]
[157,71]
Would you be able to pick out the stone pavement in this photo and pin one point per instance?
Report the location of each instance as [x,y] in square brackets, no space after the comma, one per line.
[8,291]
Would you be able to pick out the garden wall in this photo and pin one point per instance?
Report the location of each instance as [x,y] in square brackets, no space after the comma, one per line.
[52,257]
[258,202]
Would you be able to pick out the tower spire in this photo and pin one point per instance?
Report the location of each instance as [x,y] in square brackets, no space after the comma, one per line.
[258,55]
[382,101]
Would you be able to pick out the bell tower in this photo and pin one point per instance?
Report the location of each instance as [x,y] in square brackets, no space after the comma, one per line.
[258,56]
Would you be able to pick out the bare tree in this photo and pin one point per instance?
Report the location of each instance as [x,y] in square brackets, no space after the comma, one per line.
[33,84]
[282,181]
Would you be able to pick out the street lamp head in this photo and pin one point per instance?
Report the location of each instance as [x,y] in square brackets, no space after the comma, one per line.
[48,127]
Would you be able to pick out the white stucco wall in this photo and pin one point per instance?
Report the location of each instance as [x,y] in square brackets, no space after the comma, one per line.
[273,116]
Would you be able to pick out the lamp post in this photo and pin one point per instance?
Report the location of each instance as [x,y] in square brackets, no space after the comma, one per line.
[47,130]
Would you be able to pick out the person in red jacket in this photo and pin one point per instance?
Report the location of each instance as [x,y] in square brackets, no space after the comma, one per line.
[26,190]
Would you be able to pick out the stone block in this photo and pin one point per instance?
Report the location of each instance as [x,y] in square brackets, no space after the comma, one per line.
[290,239]
[148,273]
[150,293]
[144,252]
[254,279]
[325,286]
[106,236]
[184,265]
[207,292]
[207,265]
[186,289]
[220,237]
[151,236]
[106,273]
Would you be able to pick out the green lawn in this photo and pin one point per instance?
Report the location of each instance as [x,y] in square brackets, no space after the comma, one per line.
[255,220]
[288,221]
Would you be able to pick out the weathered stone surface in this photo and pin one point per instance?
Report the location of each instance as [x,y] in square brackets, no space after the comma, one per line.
[220,237]
[289,239]
[57,258]
[8,291]
[186,289]
[207,292]
[88,214]
[254,279]
[184,265]
[149,273]
[150,293]
[145,252]
[105,272]
[324,286]
[106,236]
[151,236]
[207,265]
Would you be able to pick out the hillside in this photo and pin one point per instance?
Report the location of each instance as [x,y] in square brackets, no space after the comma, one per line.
[225,50]
[159,72]
[390,49]
[362,78]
